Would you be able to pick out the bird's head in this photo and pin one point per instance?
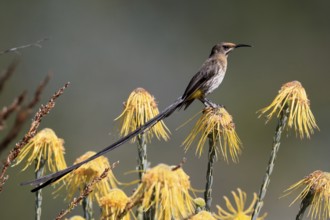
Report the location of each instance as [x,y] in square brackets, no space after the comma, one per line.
[225,48]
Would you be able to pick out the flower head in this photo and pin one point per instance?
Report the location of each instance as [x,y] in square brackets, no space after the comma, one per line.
[315,193]
[114,204]
[79,178]
[216,123]
[292,96]
[203,215]
[76,217]
[199,202]
[167,190]
[238,212]
[140,107]
[47,146]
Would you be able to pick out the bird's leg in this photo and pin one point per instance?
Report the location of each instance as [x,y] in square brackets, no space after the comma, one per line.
[208,103]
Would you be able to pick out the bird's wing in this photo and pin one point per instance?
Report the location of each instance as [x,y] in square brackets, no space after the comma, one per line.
[208,70]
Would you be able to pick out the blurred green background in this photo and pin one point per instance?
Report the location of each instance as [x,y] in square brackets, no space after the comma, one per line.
[108,48]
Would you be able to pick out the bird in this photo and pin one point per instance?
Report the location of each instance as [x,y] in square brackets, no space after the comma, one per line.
[204,82]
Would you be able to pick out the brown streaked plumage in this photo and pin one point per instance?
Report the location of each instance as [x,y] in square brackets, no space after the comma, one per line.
[210,75]
[205,81]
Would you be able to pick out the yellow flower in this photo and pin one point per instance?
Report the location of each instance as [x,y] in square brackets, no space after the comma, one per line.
[218,124]
[113,204]
[200,202]
[79,178]
[238,213]
[315,193]
[76,217]
[47,146]
[203,215]
[165,189]
[140,107]
[293,97]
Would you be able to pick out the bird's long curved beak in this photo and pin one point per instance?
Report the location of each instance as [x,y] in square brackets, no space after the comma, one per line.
[242,45]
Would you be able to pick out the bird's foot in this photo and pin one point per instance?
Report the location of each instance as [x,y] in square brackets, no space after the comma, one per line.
[208,103]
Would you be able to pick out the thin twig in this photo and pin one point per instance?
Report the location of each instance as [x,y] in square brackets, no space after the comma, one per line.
[39,90]
[8,110]
[88,189]
[16,49]
[129,206]
[23,115]
[7,74]
[276,146]
[180,165]
[21,118]
[43,111]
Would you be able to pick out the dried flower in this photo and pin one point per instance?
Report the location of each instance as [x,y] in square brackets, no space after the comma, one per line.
[203,215]
[45,145]
[167,191]
[315,193]
[293,96]
[218,124]
[114,204]
[238,213]
[140,107]
[79,178]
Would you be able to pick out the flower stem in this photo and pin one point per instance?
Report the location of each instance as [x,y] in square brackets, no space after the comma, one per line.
[142,167]
[304,205]
[276,145]
[209,174]
[142,155]
[88,208]
[38,199]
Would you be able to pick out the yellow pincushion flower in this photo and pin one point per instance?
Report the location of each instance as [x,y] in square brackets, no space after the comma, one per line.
[203,215]
[47,146]
[76,217]
[114,204]
[293,97]
[315,193]
[239,212]
[217,123]
[167,191]
[140,107]
[79,178]
[200,202]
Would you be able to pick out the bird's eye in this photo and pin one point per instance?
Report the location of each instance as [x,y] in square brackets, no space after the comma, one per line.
[225,47]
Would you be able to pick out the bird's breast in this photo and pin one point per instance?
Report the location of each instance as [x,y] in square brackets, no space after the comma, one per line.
[215,81]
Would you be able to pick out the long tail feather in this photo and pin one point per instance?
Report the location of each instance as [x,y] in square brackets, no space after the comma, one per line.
[51,178]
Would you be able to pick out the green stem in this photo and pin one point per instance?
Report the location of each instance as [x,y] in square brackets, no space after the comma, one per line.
[88,208]
[276,145]
[142,155]
[139,213]
[142,167]
[38,198]
[209,174]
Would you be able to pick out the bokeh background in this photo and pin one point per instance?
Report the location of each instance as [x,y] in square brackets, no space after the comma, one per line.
[108,48]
